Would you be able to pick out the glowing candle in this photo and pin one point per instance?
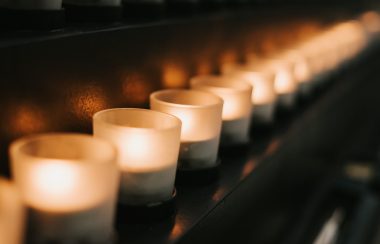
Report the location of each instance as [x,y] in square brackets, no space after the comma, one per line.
[11,214]
[69,182]
[371,22]
[350,37]
[320,57]
[264,96]
[148,146]
[201,116]
[35,4]
[237,105]
[302,71]
[285,83]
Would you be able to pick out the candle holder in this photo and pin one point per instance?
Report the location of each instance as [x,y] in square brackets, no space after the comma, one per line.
[11,214]
[302,71]
[285,84]
[201,116]
[93,11]
[264,96]
[237,106]
[69,183]
[32,15]
[148,146]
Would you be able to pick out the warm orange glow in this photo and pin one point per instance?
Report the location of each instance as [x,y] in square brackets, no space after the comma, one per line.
[273,146]
[178,229]
[284,75]
[136,88]
[174,76]
[308,29]
[86,101]
[268,46]
[187,130]
[248,168]
[252,58]
[11,214]
[302,72]
[229,56]
[260,78]
[204,68]
[53,184]
[219,194]
[371,21]
[27,118]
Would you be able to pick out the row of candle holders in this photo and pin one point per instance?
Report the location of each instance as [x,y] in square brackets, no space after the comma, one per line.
[70,183]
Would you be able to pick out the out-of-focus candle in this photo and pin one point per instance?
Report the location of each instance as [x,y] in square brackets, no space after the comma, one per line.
[237,105]
[69,182]
[285,83]
[35,4]
[302,71]
[94,3]
[371,22]
[351,39]
[264,96]
[201,116]
[148,145]
[11,214]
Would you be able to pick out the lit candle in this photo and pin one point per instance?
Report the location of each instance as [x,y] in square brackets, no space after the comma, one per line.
[148,146]
[350,38]
[35,4]
[285,83]
[319,57]
[201,116]
[237,105]
[94,3]
[371,22]
[264,96]
[69,182]
[11,214]
[302,71]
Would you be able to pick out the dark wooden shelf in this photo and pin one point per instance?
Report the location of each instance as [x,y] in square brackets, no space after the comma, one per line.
[263,194]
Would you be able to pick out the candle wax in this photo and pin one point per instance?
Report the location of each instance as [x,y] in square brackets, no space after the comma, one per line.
[148,187]
[199,154]
[235,131]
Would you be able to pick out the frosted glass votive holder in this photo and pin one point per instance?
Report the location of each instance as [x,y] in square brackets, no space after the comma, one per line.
[201,116]
[237,106]
[148,146]
[264,96]
[69,183]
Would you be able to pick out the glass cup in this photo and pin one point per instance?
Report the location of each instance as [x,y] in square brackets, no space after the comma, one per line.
[201,116]
[148,145]
[237,106]
[69,182]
